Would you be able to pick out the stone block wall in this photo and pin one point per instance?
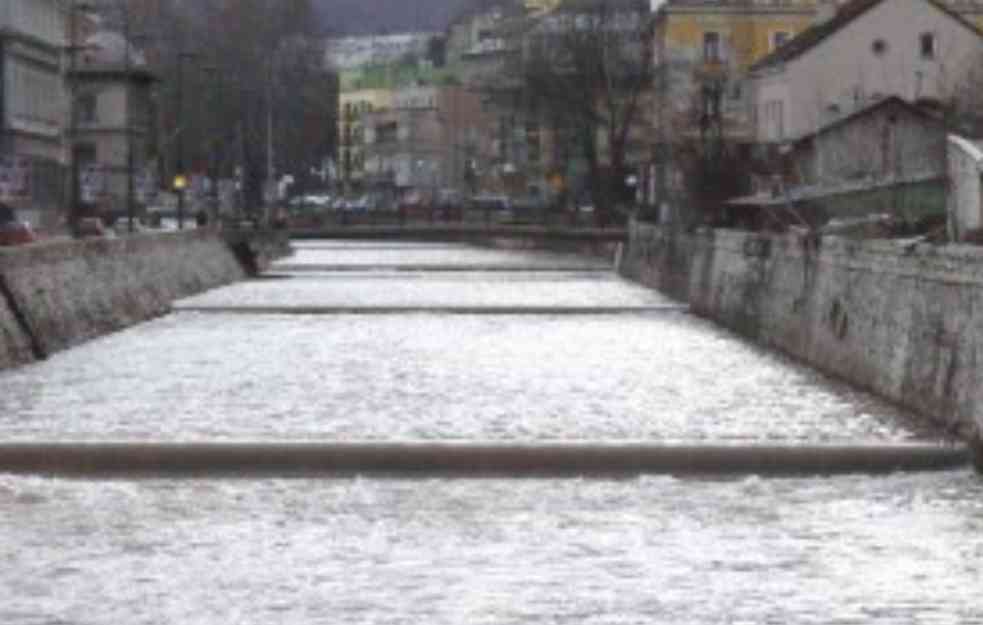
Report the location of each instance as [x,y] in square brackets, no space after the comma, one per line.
[15,346]
[59,294]
[902,320]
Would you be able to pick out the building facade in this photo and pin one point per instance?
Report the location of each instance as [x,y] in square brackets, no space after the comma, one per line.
[112,127]
[353,106]
[703,51]
[431,138]
[33,108]
[352,52]
[919,50]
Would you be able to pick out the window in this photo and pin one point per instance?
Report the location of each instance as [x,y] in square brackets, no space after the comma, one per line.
[927,41]
[711,47]
[85,154]
[85,108]
[774,120]
[779,38]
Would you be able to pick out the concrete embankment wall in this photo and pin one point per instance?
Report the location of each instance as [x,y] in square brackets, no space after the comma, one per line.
[59,294]
[904,321]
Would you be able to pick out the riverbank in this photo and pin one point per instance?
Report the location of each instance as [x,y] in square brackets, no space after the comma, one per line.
[56,295]
[901,320]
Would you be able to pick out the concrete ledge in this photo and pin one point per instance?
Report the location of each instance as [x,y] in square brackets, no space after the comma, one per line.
[429,309]
[465,459]
[455,232]
[440,268]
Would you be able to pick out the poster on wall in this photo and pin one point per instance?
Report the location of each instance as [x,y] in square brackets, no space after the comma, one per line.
[146,186]
[15,178]
[92,183]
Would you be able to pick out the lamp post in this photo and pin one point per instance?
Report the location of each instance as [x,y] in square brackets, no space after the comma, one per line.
[72,48]
[180,177]
[211,73]
[128,113]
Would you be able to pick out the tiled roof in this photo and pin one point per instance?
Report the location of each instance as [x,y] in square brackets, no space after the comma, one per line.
[813,36]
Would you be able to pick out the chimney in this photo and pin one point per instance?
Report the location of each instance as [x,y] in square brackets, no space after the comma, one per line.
[825,11]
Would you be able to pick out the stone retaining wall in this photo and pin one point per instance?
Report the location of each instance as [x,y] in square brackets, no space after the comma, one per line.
[67,292]
[902,320]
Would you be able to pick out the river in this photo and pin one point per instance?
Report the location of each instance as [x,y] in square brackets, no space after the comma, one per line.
[381,341]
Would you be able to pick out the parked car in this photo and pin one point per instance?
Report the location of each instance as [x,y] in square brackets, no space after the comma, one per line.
[415,203]
[529,207]
[93,227]
[450,205]
[495,207]
[16,233]
[361,204]
[12,230]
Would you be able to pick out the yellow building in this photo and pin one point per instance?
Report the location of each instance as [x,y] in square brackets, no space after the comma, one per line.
[541,6]
[352,106]
[702,51]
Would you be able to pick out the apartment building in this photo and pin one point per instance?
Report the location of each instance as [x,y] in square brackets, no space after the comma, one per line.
[432,137]
[353,106]
[33,107]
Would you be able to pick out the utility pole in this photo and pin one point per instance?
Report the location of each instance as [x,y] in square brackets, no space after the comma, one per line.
[180,179]
[270,172]
[128,112]
[211,72]
[73,191]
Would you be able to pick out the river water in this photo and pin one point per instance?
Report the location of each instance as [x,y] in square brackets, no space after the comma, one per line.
[357,341]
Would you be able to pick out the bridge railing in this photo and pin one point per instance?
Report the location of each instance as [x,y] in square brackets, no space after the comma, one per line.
[455,216]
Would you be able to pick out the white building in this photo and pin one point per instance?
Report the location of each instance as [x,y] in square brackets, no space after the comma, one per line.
[33,106]
[863,51]
[352,52]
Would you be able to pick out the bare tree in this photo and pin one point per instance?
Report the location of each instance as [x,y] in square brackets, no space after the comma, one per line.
[589,65]
[238,77]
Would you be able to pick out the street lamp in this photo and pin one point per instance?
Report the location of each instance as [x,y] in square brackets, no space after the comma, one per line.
[73,47]
[180,179]
[212,75]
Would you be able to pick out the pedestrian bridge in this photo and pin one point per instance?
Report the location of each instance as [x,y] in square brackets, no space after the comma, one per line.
[461,231]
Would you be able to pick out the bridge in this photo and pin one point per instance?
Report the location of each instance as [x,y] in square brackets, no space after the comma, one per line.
[457,231]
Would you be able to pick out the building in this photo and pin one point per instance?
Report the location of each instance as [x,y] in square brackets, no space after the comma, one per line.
[112,126]
[431,138]
[704,49]
[33,108]
[887,158]
[373,68]
[353,106]
[343,53]
[865,51]
[478,41]
[537,7]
